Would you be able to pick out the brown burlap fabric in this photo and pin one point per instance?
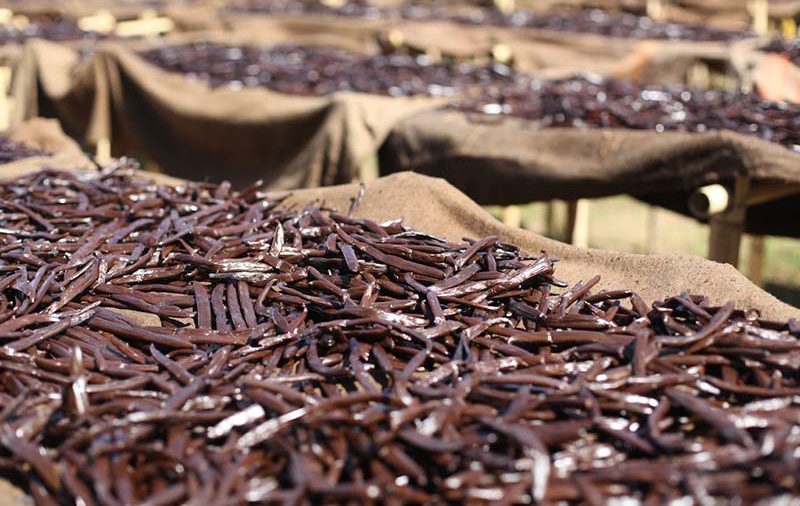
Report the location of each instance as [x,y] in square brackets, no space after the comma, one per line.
[509,161]
[434,206]
[355,34]
[45,135]
[194,131]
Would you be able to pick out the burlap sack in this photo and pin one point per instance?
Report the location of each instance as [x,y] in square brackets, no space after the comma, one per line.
[45,135]
[355,34]
[509,161]
[192,130]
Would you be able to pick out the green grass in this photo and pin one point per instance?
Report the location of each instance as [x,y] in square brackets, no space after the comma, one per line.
[621,224]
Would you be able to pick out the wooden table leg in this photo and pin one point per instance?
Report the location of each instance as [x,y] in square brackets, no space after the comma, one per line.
[103,151]
[5,98]
[558,221]
[726,237]
[512,216]
[578,232]
[651,234]
[727,227]
[788,28]
[657,9]
[759,10]
[755,263]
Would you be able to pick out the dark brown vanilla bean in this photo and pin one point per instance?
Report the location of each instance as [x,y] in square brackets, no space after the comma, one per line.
[311,356]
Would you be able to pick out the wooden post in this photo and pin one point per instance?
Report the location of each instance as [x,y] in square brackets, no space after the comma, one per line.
[656,10]
[759,11]
[558,221]
[579,222]
[726,237]
[103,151]
[5,99]
[505,6]
[788,28]
[651,234]
[699,75]
[727,227]
[512,216]
[101,22]
[755,264]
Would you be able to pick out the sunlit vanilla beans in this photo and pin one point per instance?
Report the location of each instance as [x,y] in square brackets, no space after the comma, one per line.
[588,21]
[495,89]
[164,345]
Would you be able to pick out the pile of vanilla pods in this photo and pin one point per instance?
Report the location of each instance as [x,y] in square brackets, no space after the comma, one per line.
[196,344]
[494,88]
[57,29]
[322,70]
[593,21]
[11,151]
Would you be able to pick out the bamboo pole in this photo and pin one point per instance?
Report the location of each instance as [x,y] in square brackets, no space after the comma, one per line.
[717,198]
